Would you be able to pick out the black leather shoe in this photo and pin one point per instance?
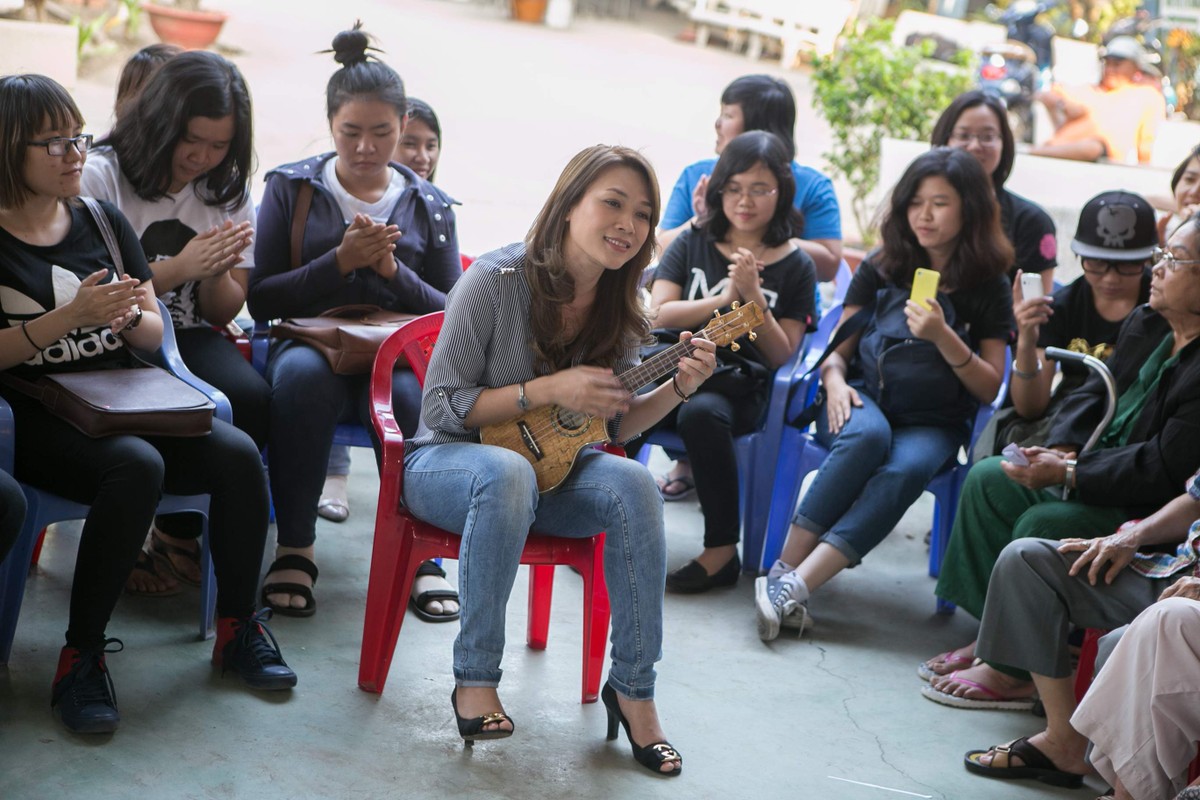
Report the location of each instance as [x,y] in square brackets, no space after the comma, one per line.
[692,578]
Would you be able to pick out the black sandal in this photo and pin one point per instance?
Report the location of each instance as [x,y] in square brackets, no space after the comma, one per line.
[472,730]
[147,564]
[292,561]
[431,569]
[1036,765]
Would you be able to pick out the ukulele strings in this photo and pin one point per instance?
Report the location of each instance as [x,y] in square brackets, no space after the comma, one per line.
[653,367]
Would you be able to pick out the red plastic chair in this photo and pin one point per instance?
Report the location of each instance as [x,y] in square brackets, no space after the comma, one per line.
[402,541]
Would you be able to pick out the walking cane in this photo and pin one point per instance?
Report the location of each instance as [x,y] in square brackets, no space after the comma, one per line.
[1110,408]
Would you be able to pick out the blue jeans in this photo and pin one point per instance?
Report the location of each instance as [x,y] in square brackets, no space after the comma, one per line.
[489,495]
[307,402]
[871,476]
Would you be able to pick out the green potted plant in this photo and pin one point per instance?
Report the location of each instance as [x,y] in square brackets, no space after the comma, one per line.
[184,23]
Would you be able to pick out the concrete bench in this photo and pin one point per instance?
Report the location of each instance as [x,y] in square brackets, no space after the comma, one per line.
[968,35]
[45,48]
[814,26]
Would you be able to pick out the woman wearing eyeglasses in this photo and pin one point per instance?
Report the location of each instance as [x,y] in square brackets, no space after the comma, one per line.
[977,122]
[1143,457]
[741,251]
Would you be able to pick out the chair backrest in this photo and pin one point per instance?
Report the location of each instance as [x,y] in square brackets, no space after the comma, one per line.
[415,341]
[841,282]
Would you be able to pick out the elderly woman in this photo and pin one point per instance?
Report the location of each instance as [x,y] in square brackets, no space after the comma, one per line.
[1141,714]
[1148,450]
[1041,586]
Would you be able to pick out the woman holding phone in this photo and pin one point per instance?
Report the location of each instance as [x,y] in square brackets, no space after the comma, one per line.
[943,217]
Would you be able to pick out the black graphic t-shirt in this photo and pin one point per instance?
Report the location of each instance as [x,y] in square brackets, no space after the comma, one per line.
[34,280]
[694,262]
[1076,326]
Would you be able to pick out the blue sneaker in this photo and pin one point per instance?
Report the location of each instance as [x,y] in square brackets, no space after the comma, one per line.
[775,602]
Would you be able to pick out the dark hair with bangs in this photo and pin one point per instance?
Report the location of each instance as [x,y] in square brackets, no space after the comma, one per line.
[944,128]
[982,251]
[28,104]
[192,84]
[423,112]
[740,155]
[361,77]
[618,321]
[767,104]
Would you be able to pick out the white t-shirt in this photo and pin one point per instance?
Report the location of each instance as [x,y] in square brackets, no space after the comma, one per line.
[163,227]
[379,211]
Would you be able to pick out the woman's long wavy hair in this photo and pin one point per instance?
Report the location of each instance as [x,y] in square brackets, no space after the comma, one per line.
[192,84]
[618,321]
[982,251]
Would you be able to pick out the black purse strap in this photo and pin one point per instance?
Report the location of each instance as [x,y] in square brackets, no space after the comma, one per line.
[847,329]
[106,232]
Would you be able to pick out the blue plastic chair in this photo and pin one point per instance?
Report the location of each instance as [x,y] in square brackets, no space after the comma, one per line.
[758,451]
[800,453]
[46,508]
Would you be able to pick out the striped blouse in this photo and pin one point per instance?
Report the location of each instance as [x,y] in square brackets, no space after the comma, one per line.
[484,344]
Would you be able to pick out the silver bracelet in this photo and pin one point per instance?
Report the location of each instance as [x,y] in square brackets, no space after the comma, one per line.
[1025,376]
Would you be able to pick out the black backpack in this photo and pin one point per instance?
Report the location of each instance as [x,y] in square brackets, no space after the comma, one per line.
[906,376]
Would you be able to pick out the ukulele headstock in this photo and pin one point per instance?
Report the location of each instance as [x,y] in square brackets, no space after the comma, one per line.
[722,329]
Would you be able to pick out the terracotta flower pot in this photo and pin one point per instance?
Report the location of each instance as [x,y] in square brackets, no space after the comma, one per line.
[191,30]
[529,10]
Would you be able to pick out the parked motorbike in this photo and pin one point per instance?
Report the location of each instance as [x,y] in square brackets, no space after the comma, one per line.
[1019,68]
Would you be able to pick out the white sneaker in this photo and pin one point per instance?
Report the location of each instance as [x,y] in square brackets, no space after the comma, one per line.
[774,601]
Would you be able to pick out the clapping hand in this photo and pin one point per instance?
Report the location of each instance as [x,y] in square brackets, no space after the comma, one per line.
[108,304]
[217,250]
[365,243]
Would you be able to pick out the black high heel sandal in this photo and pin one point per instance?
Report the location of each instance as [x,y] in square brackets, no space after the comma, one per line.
[652,756]
[472,730]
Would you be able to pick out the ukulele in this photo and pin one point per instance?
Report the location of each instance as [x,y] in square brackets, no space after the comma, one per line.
[551,437]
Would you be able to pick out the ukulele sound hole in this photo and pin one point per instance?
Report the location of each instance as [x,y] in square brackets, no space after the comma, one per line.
[570,423]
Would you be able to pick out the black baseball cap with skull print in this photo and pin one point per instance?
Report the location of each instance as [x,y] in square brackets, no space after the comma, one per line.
[1116,226]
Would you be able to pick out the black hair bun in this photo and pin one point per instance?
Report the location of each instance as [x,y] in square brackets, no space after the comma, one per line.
[350,47]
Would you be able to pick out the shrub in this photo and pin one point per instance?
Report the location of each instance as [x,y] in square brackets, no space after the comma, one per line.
[870,89]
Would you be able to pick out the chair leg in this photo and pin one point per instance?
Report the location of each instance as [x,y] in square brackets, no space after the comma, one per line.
[945,606]
[13,573]
[596,613]
[208,586]
[541,590]
[394,562]
[37,548]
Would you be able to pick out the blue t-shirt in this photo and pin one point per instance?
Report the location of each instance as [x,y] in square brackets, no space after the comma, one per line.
[814,197]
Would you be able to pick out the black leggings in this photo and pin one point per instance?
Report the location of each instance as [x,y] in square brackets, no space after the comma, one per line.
[216,360]
[707,424]
[12,512]
[122,478]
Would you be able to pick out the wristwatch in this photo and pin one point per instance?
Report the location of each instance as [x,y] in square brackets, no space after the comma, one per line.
[1069,478]
[137,319]
[522,400]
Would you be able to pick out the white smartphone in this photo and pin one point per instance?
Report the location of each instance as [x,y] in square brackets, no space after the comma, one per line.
[1031,286]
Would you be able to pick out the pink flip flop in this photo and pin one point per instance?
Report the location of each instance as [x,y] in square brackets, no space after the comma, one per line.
[949,658]
[996,701]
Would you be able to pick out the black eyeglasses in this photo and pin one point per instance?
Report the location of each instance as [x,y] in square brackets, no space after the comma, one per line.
[1099,266]
[58,145]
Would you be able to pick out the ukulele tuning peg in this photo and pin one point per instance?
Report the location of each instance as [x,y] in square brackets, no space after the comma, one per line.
[716,313]
[735,305]
[735,347]
[752,335]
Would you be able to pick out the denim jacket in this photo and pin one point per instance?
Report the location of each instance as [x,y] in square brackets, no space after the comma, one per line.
[426,254]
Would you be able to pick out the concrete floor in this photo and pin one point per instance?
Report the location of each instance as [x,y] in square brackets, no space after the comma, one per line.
[796,718]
